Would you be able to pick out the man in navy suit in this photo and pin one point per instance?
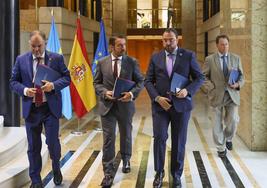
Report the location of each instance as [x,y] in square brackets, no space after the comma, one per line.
[41,104]
[158,80]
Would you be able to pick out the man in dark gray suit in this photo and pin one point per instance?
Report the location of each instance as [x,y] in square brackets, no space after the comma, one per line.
[116,110]
[222,96]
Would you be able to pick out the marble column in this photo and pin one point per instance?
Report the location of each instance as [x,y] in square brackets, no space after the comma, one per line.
[9,44]
[259,74]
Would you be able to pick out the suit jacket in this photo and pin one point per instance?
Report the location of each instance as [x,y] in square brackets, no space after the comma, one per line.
[216,84]
[22,76]
[104,81]
[158,82]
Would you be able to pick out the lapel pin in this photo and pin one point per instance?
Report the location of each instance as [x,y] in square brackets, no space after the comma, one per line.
[180,54]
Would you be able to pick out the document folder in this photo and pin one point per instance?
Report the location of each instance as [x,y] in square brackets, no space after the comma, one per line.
[233,77]
[45,73]
[179,82]
[122,85]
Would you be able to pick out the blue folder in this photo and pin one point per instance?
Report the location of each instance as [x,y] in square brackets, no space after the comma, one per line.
[45,73]
[234,76]
[122,85]
[179,82]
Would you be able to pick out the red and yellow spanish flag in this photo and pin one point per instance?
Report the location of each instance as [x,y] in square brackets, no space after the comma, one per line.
[83,95]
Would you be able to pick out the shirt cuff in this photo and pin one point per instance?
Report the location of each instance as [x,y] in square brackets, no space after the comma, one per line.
[25,91]
[157,98]
[131,95]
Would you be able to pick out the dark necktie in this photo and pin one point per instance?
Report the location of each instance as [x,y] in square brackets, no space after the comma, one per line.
[115,68]
[225,69]
[170,64]
[39,92]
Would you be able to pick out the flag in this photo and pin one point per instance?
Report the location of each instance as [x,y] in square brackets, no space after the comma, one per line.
[53,45]
[102,47]
[83,95]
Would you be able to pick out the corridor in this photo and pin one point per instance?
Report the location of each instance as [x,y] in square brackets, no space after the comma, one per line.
[81,155]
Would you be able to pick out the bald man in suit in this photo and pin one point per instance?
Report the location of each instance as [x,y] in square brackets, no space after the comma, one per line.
[222,96]
[44,112]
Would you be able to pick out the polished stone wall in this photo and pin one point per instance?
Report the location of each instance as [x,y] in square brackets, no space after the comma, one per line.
[66,26]
[211,26]
[120,17]
[249,39]
[259,74]
[189,24]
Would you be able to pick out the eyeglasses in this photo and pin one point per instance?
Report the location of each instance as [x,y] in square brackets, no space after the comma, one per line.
[36,46]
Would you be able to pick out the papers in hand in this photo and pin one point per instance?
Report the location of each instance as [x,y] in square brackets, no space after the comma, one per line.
[179,82]
[45,73]
[233,77]
[122,85]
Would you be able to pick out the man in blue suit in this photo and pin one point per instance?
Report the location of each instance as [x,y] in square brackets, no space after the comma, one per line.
[163,65]
[41,104]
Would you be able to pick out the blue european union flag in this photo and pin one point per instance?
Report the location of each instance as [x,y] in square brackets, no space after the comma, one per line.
[102,47]
[53,45]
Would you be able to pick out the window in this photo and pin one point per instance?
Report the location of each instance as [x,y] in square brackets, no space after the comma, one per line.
[210,8]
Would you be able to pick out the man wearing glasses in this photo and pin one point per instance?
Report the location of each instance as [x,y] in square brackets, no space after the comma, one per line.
[175,108]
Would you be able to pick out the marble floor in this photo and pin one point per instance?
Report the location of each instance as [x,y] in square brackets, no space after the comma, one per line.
[81,155]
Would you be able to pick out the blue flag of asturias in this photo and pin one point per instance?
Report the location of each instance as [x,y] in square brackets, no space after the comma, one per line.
[53,45]
[102,47]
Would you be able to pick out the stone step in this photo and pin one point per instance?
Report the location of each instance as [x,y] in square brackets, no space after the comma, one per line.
[15,172]
[12,141]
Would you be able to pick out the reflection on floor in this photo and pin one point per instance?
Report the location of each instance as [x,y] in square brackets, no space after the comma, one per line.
[81,155]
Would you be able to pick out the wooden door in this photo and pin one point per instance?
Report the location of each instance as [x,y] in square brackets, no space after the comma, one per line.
[142,50]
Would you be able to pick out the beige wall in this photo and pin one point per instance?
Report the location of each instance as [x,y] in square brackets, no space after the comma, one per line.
[212,26]
[120,16]
[259,74]
[66,26]
[188,24]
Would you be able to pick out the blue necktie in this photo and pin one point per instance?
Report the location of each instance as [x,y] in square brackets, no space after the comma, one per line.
[225,68]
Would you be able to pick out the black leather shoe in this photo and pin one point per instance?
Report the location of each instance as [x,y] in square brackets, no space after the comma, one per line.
[157,183]
[126,167]
[222,154]
[229,145]
[177,183]
[57,177]
[107,181]
[37,185]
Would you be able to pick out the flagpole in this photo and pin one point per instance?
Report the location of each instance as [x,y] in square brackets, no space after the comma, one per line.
[78,131]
